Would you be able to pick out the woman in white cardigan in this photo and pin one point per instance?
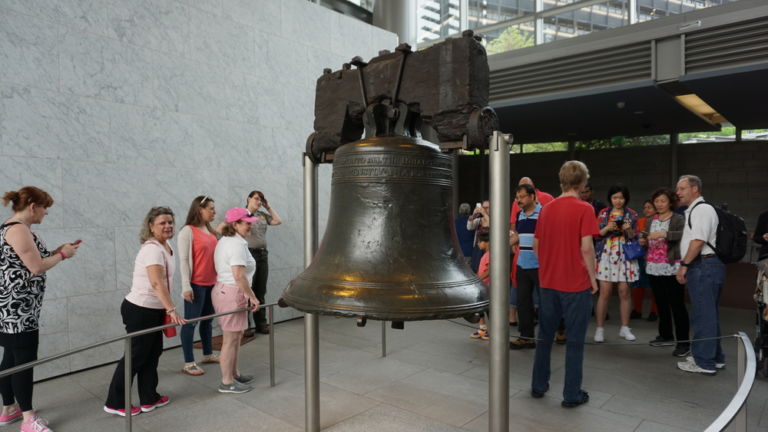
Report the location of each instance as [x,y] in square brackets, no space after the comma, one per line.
[196,244]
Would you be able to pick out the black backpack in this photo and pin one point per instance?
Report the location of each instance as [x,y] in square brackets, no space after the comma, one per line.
[731,238]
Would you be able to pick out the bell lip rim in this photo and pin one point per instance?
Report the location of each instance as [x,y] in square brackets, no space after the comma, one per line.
[354,310]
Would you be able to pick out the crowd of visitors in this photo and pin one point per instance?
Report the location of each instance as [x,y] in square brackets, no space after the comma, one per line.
[218,270]
[565,250]
[561,254]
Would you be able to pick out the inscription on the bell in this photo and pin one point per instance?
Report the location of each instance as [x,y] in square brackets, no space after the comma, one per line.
[393,160]
[390,172]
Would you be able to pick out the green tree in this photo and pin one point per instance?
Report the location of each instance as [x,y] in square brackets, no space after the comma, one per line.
[510,39]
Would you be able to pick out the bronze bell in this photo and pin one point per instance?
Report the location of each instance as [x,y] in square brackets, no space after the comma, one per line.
[390,250]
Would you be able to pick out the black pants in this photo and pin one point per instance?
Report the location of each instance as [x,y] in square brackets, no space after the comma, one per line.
[145,355]
[670,300]
[259,285]
[527,281]
[18,348]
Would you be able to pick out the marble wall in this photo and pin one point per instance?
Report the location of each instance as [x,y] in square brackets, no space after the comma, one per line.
[114,106]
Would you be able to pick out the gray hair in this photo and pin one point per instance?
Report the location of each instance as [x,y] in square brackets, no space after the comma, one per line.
[693,181]
[149,219]
[465,209]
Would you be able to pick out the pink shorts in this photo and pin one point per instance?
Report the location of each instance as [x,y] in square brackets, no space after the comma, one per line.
[227,298]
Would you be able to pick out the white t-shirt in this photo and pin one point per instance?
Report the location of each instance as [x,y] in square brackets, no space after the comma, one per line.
[232,251]
[151,253]
[703,223]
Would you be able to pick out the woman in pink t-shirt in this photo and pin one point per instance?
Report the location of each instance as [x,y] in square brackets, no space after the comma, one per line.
[145,307]
[196,244]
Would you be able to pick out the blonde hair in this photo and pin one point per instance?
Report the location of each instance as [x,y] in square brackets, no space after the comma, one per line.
[149,219]
[573,175]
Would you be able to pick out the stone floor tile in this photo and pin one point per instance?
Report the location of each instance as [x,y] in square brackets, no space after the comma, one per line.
[449,409]
[385,418]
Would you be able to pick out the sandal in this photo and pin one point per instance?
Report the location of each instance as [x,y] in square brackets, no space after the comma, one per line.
[210,358]
[192,369]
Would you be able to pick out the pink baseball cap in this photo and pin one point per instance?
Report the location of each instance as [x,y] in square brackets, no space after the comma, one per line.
[239,214]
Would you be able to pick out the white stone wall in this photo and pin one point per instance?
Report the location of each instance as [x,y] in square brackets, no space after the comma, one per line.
[114,106]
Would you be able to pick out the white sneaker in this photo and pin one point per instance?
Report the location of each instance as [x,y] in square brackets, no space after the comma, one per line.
[717,365]
[626,333]
[691,366]
[599,335]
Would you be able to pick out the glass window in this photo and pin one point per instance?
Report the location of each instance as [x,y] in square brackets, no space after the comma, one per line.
[586,20]
[487,12]
[653,9]
[437,19]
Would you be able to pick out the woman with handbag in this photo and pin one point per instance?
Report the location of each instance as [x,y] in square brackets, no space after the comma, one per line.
[617,237]
[196,244]
[147,305]
[24,261]
[662,262]
[234,270]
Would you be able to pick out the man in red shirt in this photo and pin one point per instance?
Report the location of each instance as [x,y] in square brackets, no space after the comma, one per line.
[566,253]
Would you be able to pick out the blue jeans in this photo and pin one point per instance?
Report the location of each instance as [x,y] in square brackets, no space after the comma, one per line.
[200,306]
[575,308]
[706,277]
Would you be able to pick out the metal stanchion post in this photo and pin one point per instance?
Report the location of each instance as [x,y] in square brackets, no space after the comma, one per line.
[127,376]
[383,338]
[498,385]
[271,321]
[311,331]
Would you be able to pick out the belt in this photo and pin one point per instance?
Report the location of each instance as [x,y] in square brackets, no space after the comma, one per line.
[258,249]
[709,256]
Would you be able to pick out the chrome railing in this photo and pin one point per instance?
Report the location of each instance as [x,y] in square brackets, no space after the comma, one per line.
[128,337]
[735,414]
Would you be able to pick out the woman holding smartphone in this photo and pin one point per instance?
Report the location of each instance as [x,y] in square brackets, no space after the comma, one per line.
[617,227]
[24,261]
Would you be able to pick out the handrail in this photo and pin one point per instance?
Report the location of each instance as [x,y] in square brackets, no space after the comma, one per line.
[51,358]
[736,409]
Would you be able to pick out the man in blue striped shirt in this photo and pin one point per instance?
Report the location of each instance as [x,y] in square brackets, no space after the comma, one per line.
[527,274]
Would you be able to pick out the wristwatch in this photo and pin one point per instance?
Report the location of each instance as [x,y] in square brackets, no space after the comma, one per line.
[684,264]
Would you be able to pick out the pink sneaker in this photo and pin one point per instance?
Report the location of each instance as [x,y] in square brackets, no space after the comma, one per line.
[121,411]
[7,419]
[35,425]
[163,401]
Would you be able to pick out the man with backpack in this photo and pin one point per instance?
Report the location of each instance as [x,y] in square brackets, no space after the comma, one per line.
[704,272]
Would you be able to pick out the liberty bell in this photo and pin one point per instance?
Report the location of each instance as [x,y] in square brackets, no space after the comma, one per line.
[390,250]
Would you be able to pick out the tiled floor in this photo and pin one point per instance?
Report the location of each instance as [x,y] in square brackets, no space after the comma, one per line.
[434,379]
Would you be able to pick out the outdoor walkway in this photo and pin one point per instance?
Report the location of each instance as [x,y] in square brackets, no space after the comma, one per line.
[434,379]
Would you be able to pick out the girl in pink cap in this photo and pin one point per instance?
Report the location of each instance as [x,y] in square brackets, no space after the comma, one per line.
[234,269]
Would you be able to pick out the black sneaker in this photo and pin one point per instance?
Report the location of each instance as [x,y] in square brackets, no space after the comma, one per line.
[682,350]
[584,399]
[652,317]
[537,395]
[661,342]
[521,344]
[635,315]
